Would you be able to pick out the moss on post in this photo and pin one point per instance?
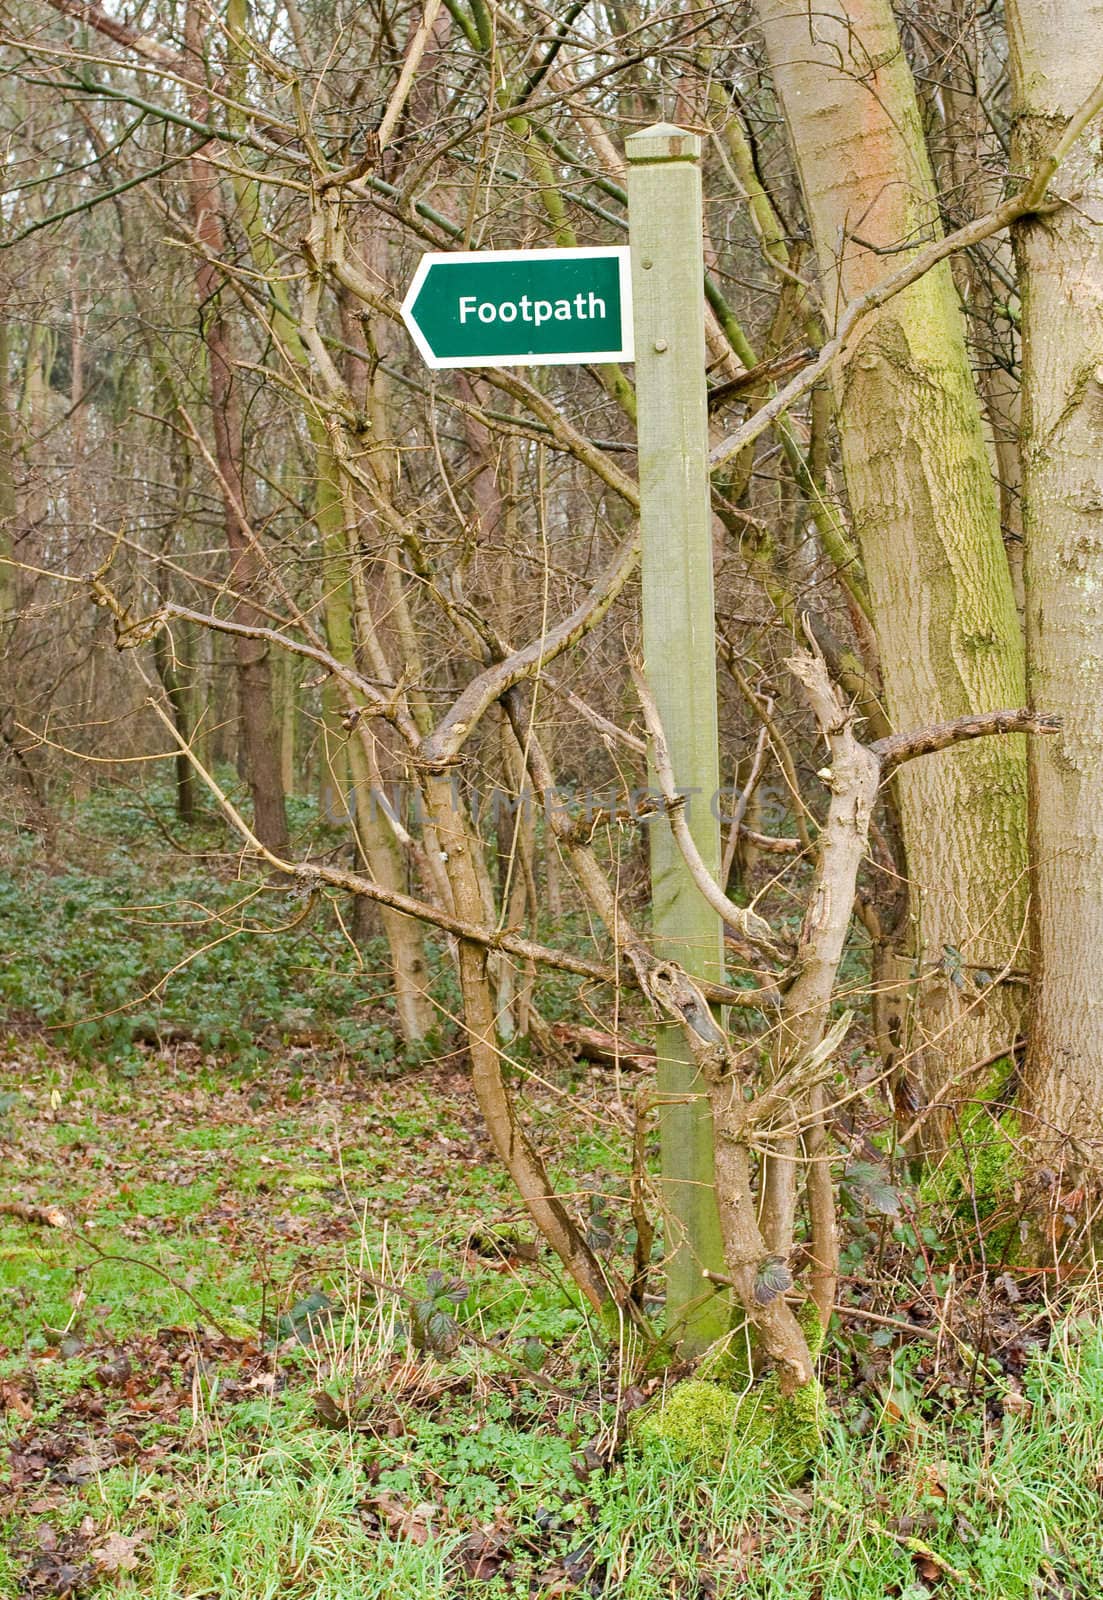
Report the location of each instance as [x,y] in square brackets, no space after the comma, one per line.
[705,1423]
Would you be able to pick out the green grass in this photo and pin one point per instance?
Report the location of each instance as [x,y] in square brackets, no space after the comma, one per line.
[273,1506]
[198,1364]
[242,1491]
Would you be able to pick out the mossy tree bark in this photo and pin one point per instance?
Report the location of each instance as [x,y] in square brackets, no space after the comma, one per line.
[1056,61]
[924,505]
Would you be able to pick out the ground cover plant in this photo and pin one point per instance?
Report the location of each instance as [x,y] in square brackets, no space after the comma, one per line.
[273,1324]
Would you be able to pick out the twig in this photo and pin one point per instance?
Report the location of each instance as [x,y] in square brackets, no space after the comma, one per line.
[765,372]
[938,1099]
[174,1283]
[46,1216]
[645,1232]
[782,754]
[739,810]
[909,1542]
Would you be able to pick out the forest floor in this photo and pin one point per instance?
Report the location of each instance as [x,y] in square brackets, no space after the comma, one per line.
[273,1327]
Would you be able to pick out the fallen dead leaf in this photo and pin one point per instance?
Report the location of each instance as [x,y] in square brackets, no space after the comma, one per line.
[88,1466]
[405,1522]
[927,1568]
[118,1554]
[932,1482]
[482,1553]
[12,1400]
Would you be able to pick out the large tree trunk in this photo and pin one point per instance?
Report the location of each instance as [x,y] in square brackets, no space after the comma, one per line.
[970,167]
[7,487]
[1057,56]
[924,509]
[259,731]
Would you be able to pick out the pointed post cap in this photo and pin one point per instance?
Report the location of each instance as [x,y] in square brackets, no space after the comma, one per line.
[663,142]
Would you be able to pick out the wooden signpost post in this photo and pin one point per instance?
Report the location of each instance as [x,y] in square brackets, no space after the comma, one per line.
[679,647]
[551,307]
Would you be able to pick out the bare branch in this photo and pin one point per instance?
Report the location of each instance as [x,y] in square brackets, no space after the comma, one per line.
[444,743]
[121,32]
[900,747]
[752,927]
[316,873]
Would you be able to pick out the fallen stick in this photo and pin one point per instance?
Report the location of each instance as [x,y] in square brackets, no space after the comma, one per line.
[45,1216]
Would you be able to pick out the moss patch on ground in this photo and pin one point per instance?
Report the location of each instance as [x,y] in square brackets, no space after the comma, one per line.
[707,1423]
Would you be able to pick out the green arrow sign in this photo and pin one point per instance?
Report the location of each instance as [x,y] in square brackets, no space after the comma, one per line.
[521,308]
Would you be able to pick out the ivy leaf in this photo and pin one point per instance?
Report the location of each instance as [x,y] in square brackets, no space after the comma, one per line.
[953,965]
[599,1231]
[872,1185]
[118,1553]
[772,1278]
[534,1354]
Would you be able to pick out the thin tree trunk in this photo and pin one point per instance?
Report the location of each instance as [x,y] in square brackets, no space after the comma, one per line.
[511,1140]
[1057,56]
[375,837]
[28,767]
[9,591]
[177,695]
[288,720]
[7,486]
[923,502]
[333,756]
[259,731]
